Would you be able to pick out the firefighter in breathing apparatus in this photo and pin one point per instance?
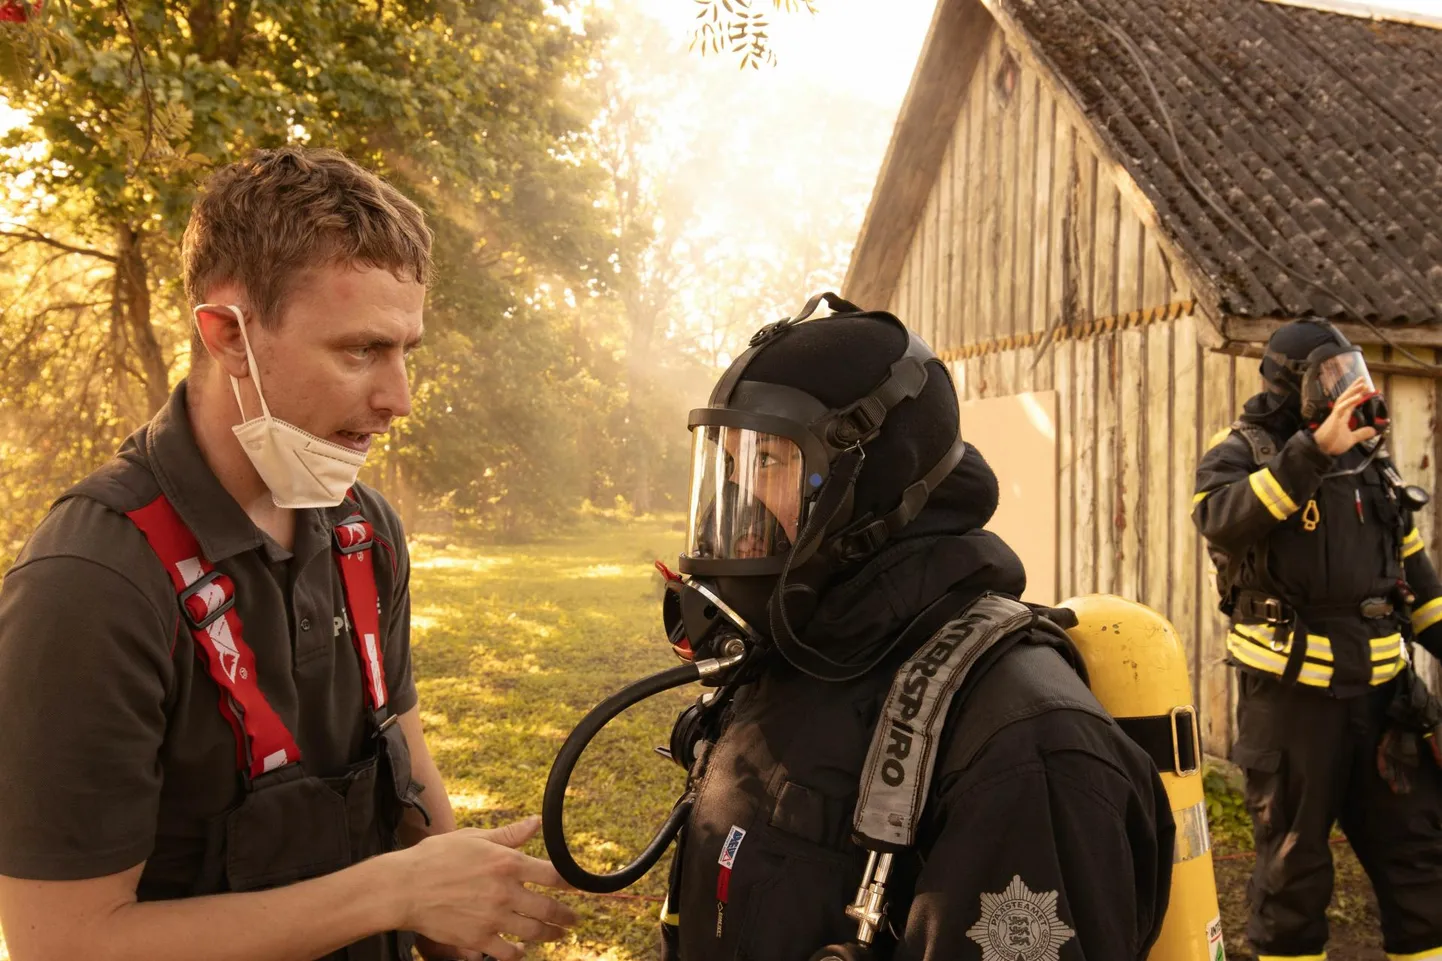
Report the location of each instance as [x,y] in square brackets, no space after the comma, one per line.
[883,710]
[1322,571]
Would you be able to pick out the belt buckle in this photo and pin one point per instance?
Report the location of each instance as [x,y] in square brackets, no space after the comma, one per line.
[1273,611]
[1375,607]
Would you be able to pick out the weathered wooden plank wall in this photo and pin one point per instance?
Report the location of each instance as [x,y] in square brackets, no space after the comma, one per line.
[1026,238]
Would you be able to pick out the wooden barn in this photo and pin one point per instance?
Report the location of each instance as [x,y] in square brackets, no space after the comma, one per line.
[1098,210]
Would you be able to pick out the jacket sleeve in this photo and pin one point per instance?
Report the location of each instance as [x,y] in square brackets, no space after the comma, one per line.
[1238,502]
[1423,581]
[1060,846]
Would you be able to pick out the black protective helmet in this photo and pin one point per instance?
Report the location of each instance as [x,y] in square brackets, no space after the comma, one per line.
[822,441]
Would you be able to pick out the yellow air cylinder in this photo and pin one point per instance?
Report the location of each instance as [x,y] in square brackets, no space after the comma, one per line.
[1138,670]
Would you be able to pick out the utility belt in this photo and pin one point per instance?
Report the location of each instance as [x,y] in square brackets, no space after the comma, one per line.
[1270,635]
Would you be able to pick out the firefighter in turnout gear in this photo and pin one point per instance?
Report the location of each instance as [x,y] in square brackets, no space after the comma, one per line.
[838,521]
[1322,571]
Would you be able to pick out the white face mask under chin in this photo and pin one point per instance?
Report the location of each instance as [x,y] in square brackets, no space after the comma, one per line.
[300,469]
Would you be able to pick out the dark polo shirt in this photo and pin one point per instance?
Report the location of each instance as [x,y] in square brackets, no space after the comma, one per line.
[113,749]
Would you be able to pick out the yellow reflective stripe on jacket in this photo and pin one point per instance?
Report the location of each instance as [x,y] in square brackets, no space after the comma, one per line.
[1198,498]
[1317,646]
[1270,493]
[1252,645]
[1254,654]
[1386,647]
[1412,543]
[1427,615]
[1382,673]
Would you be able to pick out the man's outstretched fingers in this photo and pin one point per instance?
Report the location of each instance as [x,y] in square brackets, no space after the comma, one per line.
[515,834]
[537,871]
[542,908]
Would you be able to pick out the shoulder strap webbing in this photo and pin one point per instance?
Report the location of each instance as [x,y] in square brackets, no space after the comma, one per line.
[1264,448]
[897,777]
[354,545]
[207,602]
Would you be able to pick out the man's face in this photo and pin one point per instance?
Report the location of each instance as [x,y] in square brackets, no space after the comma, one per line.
[775,480]
[335,364]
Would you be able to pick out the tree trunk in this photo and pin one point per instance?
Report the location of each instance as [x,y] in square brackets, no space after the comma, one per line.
[132,288]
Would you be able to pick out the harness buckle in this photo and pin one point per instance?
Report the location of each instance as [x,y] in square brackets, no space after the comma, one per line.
[213,579]
[353,534]
[383,725]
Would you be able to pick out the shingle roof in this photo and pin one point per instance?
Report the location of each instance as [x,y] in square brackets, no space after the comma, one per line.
[1321,133]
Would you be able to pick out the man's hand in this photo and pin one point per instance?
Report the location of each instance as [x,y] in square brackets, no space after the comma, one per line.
[467,889]
[1335,435]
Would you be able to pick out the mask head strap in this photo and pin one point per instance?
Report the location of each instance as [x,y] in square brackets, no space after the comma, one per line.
[859,422]
[869,539]
[721,395]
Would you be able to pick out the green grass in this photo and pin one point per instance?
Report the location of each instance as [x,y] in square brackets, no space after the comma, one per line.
[512,647]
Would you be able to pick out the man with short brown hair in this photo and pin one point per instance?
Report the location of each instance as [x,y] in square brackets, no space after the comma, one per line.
[212,745]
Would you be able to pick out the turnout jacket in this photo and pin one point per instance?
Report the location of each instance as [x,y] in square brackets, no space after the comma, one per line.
[1276,528]
[1044,823]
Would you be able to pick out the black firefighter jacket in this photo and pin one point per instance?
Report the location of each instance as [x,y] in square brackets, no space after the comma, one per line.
[1049,837]
[1322,546]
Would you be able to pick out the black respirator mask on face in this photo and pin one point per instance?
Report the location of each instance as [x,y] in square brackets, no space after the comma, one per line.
[1319,380]
[773,484]
[1328,371]
[772,498]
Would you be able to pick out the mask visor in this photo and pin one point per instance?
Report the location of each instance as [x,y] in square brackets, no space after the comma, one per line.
[1336,374]
[746,494]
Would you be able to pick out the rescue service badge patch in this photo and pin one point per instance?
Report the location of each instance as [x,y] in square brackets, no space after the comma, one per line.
[1020,925]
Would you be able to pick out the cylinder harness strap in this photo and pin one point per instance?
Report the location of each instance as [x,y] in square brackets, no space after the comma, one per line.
[897,776]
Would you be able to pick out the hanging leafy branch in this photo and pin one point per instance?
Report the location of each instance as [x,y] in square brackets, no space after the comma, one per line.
[738,27]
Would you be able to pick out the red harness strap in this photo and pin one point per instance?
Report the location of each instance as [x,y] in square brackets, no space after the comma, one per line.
[207,602]
[354,544]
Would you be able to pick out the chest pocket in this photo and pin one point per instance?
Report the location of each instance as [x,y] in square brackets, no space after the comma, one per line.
[1342,545]
[1379,508]
[805,873]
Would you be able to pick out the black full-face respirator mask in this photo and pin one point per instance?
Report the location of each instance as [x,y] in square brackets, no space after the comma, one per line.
[1318,380]
[1324,374]
[773,480]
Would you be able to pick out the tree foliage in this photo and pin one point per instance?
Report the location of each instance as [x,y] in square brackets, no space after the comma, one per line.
[741,27]
[596,261]
[478,110]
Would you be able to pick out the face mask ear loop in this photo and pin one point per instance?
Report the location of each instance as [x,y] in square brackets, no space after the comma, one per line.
[250,361]
[252,366]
